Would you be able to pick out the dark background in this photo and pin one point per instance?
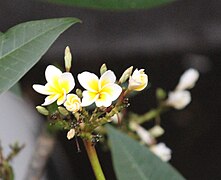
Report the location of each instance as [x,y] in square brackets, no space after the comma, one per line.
[165,41]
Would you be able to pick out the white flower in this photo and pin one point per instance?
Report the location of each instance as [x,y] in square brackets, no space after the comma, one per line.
[70,134]
[144,135]
[57,87]
[188,79]
[138,81]
[178,99]
[101,91]
[73,103]
[162,151]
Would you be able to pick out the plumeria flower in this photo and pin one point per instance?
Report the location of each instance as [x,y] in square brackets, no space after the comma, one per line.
[138,81]
[57,87]
[188,79]
[162,151]
[101,91]
[178,99]
[73,103]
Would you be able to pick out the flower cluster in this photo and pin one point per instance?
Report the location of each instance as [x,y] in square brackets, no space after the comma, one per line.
[105,92]
[103,99]
[180,97]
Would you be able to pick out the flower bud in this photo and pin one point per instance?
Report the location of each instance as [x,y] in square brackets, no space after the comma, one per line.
[70,134]
[79,93]
[144,135]
[162,151]
[127,73]
[63,111]
[178,99]
[67,59]
[160,94]
[156,131]
[138,81]
[116,118]
[73,103]
[188,79]
[103,69]
[42,110]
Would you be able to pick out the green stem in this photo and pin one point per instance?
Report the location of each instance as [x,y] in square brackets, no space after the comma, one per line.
[149,115]
[92,154]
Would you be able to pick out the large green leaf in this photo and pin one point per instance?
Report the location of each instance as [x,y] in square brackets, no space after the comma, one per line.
[24,44]
[133,161]
[113,4]
[16,89]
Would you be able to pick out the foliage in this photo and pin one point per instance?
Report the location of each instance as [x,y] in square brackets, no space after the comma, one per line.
[24,44]
[134,161]
[113,4]
[6,170]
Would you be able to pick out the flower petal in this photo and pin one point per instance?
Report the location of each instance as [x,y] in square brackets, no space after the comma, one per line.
[62,98]
[88,81]
[50,99]
[41,89]
[113,90]
[67,82]
[51,89]
[106,78]
[88,98]
[52,73]
[103,100]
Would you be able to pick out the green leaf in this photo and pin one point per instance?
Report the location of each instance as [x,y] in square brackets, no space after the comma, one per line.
[113,4]
[134,161]
[24,44]
[16,89]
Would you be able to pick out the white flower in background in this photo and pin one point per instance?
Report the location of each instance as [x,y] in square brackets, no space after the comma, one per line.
[70,134]
[162,151]
[178,99]
[188,79]
[144,135]
[73,103]
[138,81]
[57,87]
[156,131]
[101,91]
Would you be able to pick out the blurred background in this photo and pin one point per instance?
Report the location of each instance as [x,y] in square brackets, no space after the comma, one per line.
[165,40]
